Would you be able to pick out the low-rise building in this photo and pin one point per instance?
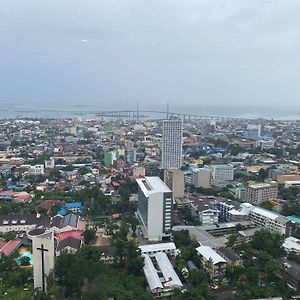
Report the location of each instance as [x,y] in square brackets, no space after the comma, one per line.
[36,170]
[230,256]
[212,262]
[22,222]
[152,249]
[162,279]
[204,210]
[291,244]
[268,219]
[69,245]
[138,171]
[291,272]
[261,217]
[224,205]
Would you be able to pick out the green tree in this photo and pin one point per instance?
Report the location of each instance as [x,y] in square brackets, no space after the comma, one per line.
[88,235]
[182,238]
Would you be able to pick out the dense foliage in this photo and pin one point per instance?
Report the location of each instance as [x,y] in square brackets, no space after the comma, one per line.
[84,276]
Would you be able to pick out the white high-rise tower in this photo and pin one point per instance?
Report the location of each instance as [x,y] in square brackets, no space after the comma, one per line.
[171,148]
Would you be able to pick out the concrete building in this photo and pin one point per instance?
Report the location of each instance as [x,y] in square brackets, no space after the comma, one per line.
[221,174]
[138,171]
[252,132]
[204,210]
[258,193]
[212,262]
[154,208]
[224,205]
[131,156]
[36,170]
[171,148]
[268,219]
[293,227]
[152,249]
[50,164]
[110,157]
[230,256]
[282,178]
[291,244]
[295,183]
[266,144]
[261,217]
[43,255]
[201,178]
[174,179]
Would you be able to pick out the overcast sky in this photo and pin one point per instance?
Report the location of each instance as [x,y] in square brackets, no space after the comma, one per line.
[120,51]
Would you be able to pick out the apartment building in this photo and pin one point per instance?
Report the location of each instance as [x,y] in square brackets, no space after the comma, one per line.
[221,174]
[204,210]
[212,262]
[268,219]
[174,179]
[224,205]
[257,193]
[201,178]
[171,148]
[36,170]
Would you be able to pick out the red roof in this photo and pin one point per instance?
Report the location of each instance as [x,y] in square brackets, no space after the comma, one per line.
[116,216]
[10,247]
[81,225]
[18,196]
[47,204]
[76,234]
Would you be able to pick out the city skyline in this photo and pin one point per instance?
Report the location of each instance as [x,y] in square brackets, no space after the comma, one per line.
[197,53]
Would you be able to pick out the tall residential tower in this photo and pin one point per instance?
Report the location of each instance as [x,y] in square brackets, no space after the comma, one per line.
[171,153]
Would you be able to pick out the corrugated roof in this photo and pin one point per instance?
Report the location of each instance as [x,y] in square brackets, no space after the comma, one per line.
[210,254]
[294,219]
[70,220]
[73,205]
[77,234]
[266,213]
[157,247]
[69,242]
[10,247]
[167,269]
[151,274]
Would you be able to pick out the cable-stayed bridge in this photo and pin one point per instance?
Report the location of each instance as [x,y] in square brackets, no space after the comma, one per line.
[130,114]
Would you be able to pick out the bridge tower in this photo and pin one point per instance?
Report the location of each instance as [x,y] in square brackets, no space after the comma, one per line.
[137,111]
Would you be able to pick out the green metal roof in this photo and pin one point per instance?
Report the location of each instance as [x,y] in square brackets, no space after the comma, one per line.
[294,219]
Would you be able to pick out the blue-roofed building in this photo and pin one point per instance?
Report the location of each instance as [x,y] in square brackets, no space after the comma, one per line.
[73,206]
[62,211]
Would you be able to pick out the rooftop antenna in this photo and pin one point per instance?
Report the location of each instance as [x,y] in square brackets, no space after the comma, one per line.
[137,111]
